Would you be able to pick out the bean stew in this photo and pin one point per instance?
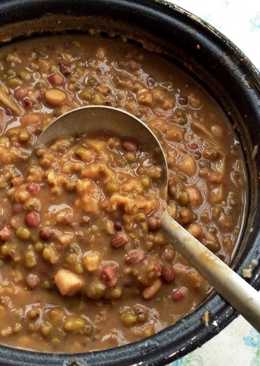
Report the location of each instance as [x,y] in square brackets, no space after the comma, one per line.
[84,264]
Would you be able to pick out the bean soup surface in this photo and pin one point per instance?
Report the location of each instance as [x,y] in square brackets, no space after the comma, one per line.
[84,264]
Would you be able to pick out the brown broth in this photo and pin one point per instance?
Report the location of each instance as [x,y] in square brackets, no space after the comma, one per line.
[45,77]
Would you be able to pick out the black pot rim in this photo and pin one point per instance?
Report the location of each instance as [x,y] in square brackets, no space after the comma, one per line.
[188,333]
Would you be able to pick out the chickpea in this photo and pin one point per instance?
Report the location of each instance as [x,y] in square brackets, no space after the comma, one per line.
[185,215]
[13,58]
[46,284]
[103,89]
[56,315]
[109,227]
[226,221]
[216,212]
[148,330]
[211,242]
[159,238]
[182,197]
[175,133]
[17,328]
[194,101]
[217,131]
[70,185]
[154,172]
[91,260]
[195,197]
[34,313]
[195,230]
[188,165]
[33,203]
[4,141]
[6,332]
[214,177]
[216,194]
[145,97]
[46,329]
[162,98]
[172,209]
[168,254]
[23,136]
[84,154]
[130,157]
[66,238]
[14,82]
[211,154]
[21,196]
[146,182]
[31,119]
[180,117]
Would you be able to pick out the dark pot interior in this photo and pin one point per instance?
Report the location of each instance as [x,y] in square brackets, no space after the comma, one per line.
[232,80]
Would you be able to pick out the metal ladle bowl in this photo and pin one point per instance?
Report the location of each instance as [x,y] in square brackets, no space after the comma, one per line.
[103,119]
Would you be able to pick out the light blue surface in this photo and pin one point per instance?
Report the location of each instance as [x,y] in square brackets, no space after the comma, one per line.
[239,343]
[239,20]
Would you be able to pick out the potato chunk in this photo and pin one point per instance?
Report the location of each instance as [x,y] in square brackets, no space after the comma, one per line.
[55,97]
[68,283]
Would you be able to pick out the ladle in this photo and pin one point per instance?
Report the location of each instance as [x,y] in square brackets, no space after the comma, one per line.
[93,119]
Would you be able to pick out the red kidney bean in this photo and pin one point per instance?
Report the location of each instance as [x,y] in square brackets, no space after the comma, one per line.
[65,69]
[39,94]
[154,270]
[33,219]
[17,208]
[129,146]
[168,254]
[118,225]
[5,233]
[183,100]
[56,79]
[109,274]
[27,103]
[193,146]
[119,240]
[168,273]
[20,93]
[46,233]
[154,223]
[134,256]
[16,181]
[32,280]
[16,221]
[179,294]
[33,188]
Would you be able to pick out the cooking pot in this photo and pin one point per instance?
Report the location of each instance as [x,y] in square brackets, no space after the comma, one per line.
[228,76]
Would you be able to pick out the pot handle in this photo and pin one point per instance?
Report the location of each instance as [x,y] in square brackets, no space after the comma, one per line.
[243,297]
